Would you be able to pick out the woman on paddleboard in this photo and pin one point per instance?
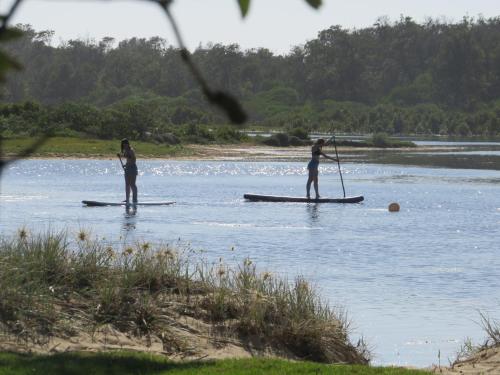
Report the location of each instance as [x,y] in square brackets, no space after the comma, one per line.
[313,165]
[130,168]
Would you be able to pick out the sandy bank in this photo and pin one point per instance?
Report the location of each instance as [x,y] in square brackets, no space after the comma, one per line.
[188,338]
[485,362]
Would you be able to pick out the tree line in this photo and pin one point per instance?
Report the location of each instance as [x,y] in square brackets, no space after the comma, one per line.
[399,77]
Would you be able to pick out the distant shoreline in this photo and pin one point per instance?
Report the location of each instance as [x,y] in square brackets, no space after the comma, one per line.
[81,148]
[423,156]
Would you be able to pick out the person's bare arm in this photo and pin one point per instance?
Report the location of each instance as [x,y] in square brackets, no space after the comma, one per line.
[131,155]
[328,157]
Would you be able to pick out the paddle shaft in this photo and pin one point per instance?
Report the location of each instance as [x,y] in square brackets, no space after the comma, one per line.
[338,163]
[121,162]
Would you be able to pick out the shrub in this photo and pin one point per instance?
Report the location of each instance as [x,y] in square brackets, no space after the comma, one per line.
[295,141]
[300,133]
[228,134]
[167,138]
[380,140]
[278,140]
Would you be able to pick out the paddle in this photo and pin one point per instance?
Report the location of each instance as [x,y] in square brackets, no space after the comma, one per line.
[338,163]
[121,162]
[123,166]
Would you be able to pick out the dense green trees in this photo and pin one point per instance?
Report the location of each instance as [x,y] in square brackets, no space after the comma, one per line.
[400,77]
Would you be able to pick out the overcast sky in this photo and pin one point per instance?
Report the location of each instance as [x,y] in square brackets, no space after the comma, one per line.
[274,24]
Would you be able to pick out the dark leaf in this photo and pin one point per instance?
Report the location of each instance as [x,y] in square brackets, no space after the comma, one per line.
[244,5]
[230,105]
[314,3]
[9,34]
[6,63]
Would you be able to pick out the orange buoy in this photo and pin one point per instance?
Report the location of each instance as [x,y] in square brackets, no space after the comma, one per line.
[394,207]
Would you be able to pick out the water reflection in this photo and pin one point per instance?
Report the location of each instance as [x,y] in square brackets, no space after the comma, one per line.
[130,210]
[313,213]
[129,220]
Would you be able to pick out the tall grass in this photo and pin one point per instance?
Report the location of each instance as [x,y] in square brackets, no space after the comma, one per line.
[52,285]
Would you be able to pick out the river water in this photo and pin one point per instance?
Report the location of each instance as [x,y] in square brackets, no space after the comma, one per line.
[413,282]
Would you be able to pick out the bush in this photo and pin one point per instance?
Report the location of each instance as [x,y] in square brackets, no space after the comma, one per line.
[167,138]
[196,134]
[278,140]
[300,133]
[380,140]
[228,134]
[295,141]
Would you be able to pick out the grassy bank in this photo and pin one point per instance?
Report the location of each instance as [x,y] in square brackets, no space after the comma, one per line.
[168,299]
[145,364]
[85,147]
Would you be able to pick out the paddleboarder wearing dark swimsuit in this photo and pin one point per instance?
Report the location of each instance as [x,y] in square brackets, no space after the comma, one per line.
[313,165]
[130,168]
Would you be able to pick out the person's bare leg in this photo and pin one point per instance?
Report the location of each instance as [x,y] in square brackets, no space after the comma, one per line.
[316,187]
[308,186]
[127,189]
[134,188]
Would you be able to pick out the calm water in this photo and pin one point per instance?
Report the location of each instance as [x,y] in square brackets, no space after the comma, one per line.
[413,282]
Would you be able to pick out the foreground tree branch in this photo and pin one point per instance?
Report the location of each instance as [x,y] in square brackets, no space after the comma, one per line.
[8,63]
[223,100]
[226,102]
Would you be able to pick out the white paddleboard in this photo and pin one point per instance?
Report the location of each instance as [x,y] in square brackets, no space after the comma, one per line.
[102,204]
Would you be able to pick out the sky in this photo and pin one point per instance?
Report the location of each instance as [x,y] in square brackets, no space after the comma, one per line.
[274,24]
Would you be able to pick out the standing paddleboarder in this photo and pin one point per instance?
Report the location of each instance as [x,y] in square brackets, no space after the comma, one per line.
[313,165]
[130,168]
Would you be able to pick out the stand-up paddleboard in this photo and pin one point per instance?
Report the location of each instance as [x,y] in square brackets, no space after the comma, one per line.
[101,204]
[274,198]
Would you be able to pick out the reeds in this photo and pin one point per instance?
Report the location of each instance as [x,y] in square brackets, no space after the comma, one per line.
[469,351]
[492,329]
[51,285]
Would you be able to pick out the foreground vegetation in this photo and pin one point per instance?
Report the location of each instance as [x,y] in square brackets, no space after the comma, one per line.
[53,287]
[128,363]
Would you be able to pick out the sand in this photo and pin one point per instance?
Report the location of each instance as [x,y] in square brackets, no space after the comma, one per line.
[487,361]
[186,339]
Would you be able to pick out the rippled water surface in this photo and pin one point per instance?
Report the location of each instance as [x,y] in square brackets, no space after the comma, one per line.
[412,282]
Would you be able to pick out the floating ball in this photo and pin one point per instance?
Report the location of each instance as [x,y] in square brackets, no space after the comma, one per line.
[394,207]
